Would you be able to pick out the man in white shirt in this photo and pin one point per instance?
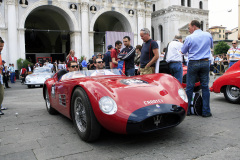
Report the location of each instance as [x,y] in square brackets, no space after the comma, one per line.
[174,58]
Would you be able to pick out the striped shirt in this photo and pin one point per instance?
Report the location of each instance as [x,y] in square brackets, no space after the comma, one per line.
[234,54]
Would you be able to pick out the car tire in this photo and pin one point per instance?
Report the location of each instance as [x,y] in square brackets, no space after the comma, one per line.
[29,86]
[84,120]
[50,110]
[232,94]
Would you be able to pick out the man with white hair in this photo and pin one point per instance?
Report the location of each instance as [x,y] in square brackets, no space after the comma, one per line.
[149,53]
[174,58]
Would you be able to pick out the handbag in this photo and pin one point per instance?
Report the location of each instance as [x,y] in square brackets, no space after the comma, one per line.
[163,66]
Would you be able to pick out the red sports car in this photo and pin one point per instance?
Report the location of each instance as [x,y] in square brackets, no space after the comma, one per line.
[229,84]
[125,105]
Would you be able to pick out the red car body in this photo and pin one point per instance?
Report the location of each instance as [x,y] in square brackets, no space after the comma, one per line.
[229,84]
[139,105]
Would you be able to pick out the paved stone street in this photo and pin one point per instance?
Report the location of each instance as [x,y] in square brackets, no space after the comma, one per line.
[28,132]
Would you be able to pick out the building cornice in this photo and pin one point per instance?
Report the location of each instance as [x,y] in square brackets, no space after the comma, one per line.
[182,9]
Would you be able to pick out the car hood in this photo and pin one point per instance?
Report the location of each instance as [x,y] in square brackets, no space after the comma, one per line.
[40,75]
[138,91]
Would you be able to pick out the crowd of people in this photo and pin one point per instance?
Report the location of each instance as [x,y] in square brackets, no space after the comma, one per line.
[195,52]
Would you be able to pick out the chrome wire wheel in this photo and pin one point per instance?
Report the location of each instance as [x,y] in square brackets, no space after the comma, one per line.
[80,115]
[233,92]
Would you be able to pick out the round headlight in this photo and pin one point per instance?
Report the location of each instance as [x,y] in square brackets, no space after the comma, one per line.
[107,105]
[27,79]
[183,95]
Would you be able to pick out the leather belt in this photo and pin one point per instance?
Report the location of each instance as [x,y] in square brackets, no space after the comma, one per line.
[205,59]
[175,62]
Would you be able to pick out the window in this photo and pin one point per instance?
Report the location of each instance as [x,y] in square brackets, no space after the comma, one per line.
[200,5]
[182,2]
[223,31]
[223,36]
[219,35]
[154,8]
[201,27]
[219,30]
[189,3]
[161,33]
[152,33]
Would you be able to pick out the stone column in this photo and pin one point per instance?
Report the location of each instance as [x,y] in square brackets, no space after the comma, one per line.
[149,21]
[165,32]
[91,42]
[76,44]
[22,48]
[12,33]
[140,14]
[85,35]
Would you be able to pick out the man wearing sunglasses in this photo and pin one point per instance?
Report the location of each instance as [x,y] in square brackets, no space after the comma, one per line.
[233,54]
[99,69]
[72,66]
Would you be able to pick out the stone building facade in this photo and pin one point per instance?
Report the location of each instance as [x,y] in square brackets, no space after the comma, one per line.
[50,28]
[171,17]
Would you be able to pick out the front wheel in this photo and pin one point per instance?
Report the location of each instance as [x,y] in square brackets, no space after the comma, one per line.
[50,110]
[84,120]
[232,94]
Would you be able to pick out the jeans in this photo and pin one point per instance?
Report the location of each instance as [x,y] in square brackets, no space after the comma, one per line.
[12,77]
[176,70]
[232,63]
[201,69]
[130,72]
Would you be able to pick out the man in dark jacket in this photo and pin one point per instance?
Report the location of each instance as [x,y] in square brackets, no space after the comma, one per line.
[127,55]
[107,57]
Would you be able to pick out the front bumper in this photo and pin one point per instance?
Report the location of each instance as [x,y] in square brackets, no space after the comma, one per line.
[155,117]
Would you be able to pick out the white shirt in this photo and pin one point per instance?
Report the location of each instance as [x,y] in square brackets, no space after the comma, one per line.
[174,54]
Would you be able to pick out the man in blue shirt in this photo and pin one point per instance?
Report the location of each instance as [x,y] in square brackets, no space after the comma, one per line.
[198,45]
[84,64]
[107,57]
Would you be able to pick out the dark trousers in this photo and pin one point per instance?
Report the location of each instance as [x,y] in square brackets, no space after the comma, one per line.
[5,80]
[199,69]
[12,77]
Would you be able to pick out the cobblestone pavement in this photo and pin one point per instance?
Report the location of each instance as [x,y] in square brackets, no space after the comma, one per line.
[28,132]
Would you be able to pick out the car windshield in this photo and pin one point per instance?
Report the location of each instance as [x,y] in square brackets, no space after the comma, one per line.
[90,73]
[42,70]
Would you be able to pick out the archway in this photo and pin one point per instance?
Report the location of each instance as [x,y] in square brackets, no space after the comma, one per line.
[108,21]
[47,34]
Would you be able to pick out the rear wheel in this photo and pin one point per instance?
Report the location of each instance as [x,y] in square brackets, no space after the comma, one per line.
[29,86]
[50,110]
[84,120]
[232,94]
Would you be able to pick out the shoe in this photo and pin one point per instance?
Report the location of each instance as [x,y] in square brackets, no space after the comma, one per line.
[1,113]
[3,108]
[8,87]
[188,114]
[207,115]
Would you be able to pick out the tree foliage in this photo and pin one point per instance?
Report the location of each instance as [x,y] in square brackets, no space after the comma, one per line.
[22,62]
[221,47]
